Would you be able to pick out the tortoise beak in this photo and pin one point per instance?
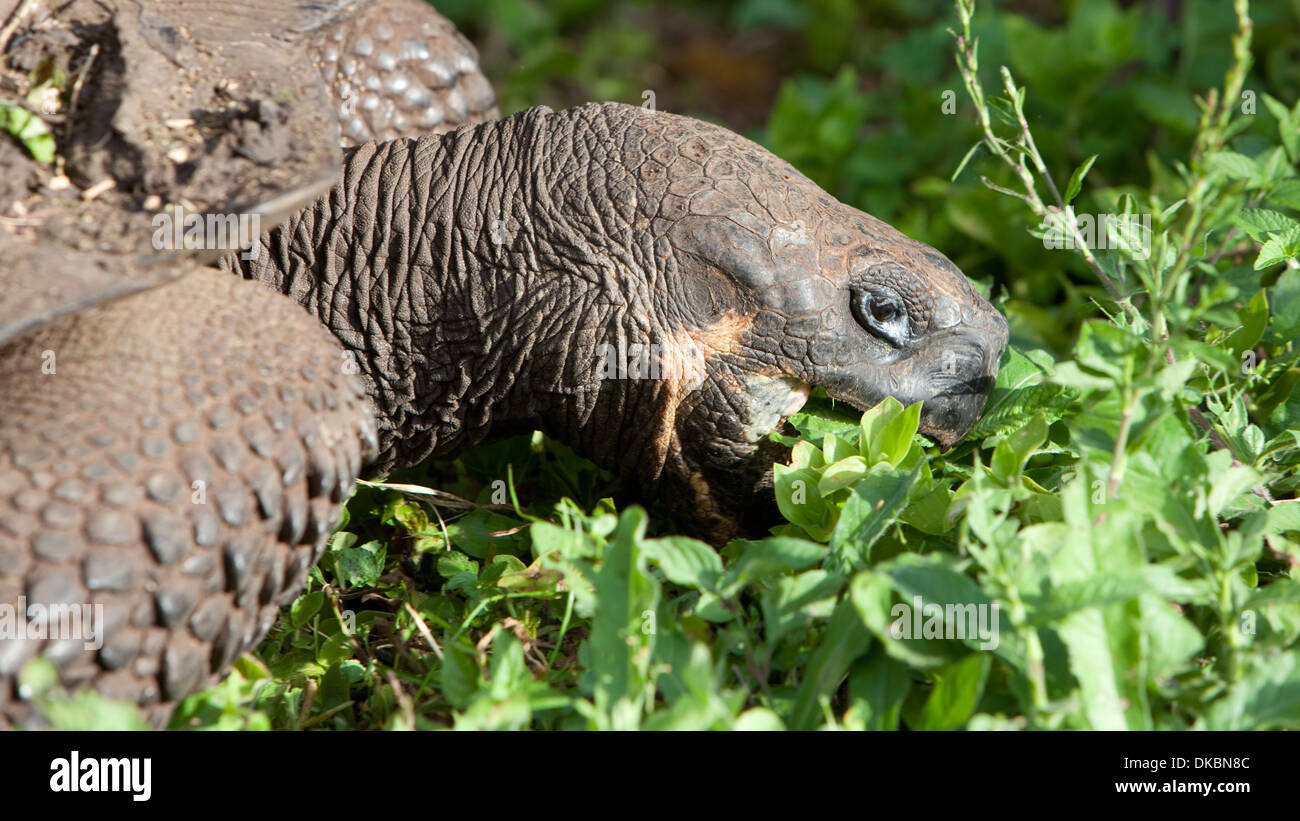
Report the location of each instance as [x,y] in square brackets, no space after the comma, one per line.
[963,382]
[951,374]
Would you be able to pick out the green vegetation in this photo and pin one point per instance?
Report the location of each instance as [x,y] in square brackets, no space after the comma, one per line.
[1127,502]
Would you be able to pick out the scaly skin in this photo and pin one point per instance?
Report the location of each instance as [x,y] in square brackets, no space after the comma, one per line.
[475,276]
[399,68]
[160,461]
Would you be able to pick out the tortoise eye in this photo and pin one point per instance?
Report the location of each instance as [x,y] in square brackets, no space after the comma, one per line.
[882,313]
[883,309]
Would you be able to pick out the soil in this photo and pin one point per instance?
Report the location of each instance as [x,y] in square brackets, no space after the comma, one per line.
[213,106]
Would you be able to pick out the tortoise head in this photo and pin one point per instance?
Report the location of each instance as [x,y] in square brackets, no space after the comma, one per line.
[773,286]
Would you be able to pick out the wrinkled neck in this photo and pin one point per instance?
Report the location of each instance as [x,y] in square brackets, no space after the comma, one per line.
[461,296]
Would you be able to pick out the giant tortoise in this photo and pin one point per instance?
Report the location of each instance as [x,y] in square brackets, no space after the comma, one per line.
[181,423]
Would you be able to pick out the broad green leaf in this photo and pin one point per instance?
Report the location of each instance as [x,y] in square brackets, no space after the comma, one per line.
[460,677]
[1279,248]
[619,640]
[1260,222]
[482,533]
[1172,640]
[306,606]
[1233,165]
[878,684]
[1267,698]
[895,439]
[836,448]
[1286,193]
[771,556]
[1013,451]
[800,501]
[1283,516]
[874,424]
[358,566]
[685,561]
[957,690]
[1020,392]
[876,503]
[799,599]
[872,596]
[842,474]
[758,719]
[1288,128]
[1254,321]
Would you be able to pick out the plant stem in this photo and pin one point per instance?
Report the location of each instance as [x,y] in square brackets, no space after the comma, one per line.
[968,65]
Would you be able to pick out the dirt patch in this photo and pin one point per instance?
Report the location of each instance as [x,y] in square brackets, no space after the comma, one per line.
[151,104]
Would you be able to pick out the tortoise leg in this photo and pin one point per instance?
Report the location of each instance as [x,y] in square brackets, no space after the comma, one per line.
[177,457]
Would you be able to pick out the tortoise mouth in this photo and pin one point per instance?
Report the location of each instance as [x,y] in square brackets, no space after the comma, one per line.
[772,401]
[952,377]
[946,416]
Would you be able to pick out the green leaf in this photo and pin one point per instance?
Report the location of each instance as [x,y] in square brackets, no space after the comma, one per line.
[1174,642]
[1284,516]
[895,438]
[1233,165]
[878,684]
[482,533]
[1279,248]
[1284,300]
[29,130]
[1020,392]
[305,606]
[1004,111]
[1103,588]
[791,601]
[842,474]
[685,561]
[876,502]
[1266,698]
[1254,321]
[836,448]
[934,597]
[358,566]
[1259,222]
[1288,129]
[846,638]
[928,512]
[874,423]
[453,562]
[1076,179]
[509,672]
[1096,667]
[1013,451]
[821,417]
[800,502]
[957,690]
[460,677]
[964,160]
[758,719]
[619,641]
[771,556]
[1286,193]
